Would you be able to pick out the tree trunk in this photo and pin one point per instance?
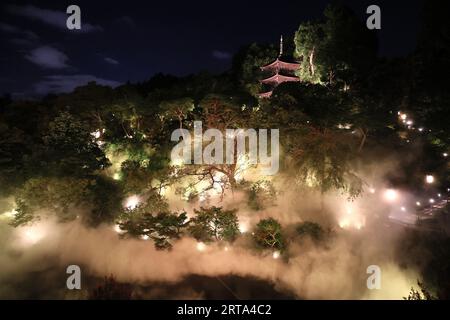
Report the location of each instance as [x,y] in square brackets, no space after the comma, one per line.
[363,139]
[125,130]
[311,62]
[180,121]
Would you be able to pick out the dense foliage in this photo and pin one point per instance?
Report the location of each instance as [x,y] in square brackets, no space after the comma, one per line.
[96,146]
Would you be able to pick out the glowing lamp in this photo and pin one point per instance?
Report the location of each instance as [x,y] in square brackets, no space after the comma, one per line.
[390,195]
[201,246]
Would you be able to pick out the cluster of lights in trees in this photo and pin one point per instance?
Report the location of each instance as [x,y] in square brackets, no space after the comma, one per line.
[405,120]
[349,220]
[429,178]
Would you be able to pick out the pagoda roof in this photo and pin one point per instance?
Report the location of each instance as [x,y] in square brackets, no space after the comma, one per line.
[281,65]
[265,94]
[278,78]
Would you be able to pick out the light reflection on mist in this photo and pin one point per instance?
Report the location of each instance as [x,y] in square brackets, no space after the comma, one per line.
[310,271]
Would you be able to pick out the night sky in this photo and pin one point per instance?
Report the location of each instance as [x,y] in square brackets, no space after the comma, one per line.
[132,40]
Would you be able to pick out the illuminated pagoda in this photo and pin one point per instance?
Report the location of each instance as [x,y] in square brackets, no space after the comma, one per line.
[281,72]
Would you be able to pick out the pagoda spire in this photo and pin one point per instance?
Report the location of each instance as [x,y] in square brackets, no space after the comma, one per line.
[281,46]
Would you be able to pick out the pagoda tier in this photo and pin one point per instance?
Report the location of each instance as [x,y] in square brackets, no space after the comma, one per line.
[276,79]
[265,94]
[281,72]
[278,65]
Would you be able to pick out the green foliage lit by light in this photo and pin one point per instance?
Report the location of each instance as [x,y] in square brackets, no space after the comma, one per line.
[214,223]
[268,234]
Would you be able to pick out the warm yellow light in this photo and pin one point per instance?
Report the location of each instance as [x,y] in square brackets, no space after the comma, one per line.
[10,214]
[243,226]
[163,191]
[178,162]
[96,134]
[343,223]
[118,229]
[391,195]
[351,220]
[201,246]
[30,235]
[132,202]
[429,178]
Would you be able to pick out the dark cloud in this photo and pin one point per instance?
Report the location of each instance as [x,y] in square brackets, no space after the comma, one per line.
[221,55]
[66,83]
[111,60]
[30,35]
[22,42]
[127,21]
[48,57]
[8,28]
[21,36]
[50,17]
